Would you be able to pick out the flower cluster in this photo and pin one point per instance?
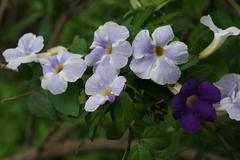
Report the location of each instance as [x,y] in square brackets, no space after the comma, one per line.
[156,58]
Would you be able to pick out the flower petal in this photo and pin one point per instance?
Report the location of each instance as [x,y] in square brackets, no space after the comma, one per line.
[190,87]
[204,110]
[207,21]
[227,88]
[164,72]
[54,83]
[29,58]
[12,54]
[116,32]
[177,52]
[74,71]
[94,102]
[142,45]
[95,85]
[162,35]
[94,56]
[189,122]
[25,42]
[143,67]
[208,92]
[111,97]
[179,106]
[233,30]
[37,45]
[108,73]
[120,54]
[100,37]
[118,84]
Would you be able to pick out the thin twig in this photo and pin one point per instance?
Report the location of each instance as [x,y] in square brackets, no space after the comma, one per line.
[24,94]
[226,144]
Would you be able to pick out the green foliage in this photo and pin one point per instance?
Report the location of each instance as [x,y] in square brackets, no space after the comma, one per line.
[139,152]
[156,138]
[79,46]
[122,115]
[67,102]
[41,106]
[143,109]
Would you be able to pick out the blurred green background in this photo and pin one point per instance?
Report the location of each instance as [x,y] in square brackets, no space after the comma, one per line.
[58,21]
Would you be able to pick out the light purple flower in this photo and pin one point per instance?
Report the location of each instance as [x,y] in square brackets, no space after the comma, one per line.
[229,86]
[103,85]
[219,36]
[110,46]
[28,45]
[60,69]
[156,59]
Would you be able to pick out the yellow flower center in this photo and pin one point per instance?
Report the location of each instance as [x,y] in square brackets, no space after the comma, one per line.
[59,68]
[107,92]
[159,51]
[109,49]
[190,100]
[26,54]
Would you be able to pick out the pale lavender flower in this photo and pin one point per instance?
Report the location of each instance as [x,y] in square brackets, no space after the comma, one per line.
[28,45]
[60,69]
[219,36]
[110,46]
[229,86]
[103,85]
[156,59]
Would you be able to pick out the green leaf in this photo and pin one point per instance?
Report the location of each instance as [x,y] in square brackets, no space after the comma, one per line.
[138,126]
[193,61]
[71,120]
[67,102]
[18,27]
[79,46]
[141,17]
[138,111]
[162,156]
[139,152]
[122,114]
[174,123]
[201,72]
[165,18]
[162,5]
[156,138]
[40,106]
[25,71]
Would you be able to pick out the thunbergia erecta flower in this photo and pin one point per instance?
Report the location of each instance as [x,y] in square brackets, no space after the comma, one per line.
[103,85]
[229,86]
[193,102]
[60,69]
[219,36]
[110,46]
[156,59]
[28,45]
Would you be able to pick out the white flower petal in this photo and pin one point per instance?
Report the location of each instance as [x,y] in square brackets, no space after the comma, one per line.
[54,83]
[207,21]
[94,102]
[118,84]
[142,45]
[162,35]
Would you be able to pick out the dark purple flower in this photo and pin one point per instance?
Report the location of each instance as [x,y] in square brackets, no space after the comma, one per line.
[193,102]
